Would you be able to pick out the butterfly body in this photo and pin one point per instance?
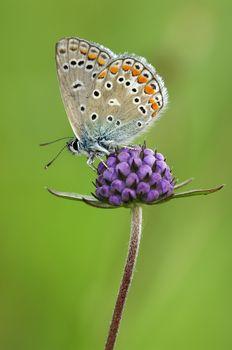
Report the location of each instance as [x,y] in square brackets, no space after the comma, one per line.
[109,99]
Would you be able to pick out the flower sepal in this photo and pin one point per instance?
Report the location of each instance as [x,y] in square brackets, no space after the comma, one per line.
[95,202]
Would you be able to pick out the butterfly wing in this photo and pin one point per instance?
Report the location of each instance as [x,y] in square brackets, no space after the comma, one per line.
[78,63]
[127,96]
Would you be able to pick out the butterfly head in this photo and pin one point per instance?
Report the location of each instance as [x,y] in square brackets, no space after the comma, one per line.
[74,146]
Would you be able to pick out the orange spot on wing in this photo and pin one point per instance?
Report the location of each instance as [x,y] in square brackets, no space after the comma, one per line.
[155,106]
[83,51]
[136,72]
[149,90]
[101,61]
[126,67]
[114,69]
[141,79]
[102,74]
[151,100]
[92,56]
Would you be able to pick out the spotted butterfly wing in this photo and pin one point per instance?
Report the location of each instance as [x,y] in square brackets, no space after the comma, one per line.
[78,63]
[107,97]
[128,95]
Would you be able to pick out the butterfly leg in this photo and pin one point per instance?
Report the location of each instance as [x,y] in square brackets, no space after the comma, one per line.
[90,161]
[100,158]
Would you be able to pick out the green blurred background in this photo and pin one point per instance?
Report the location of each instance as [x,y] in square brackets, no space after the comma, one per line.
[61,261]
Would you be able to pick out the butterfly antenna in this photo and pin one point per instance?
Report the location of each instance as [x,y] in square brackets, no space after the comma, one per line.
[49,143]
[47,165]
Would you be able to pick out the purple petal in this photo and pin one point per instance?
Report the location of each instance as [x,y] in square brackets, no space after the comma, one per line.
[123,156]
[128,194]
[160,166]
[151,196]
[103,191]
[132,180]
[111,161]
[135,152]
[115,200]
[168,175]
[143,187]
[164,186]
[135,162]
[159,156]
[155,178]
[144,171]
[149,160]
[110,174]
[148,152]
[117,185]
[123,169]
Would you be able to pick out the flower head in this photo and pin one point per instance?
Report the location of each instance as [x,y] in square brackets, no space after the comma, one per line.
[134,175]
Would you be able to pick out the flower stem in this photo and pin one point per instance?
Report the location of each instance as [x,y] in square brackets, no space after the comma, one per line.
[135,236]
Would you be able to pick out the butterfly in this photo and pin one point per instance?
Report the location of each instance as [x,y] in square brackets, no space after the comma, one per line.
[109,99]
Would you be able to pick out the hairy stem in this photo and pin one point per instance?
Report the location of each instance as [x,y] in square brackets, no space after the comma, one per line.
[135,236]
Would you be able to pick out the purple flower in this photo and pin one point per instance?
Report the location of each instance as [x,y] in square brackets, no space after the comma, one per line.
[143,188]
[134,175]
[111,161]
[117,185]
[123,169]
[103,191]
[128,194]
[109,174]
[115,200]
[144,171]
[132,180]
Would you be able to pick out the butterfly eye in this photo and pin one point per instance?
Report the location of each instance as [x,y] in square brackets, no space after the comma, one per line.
[110,118]
[94,116]
[120,79]
[96,94]
[75,145]
[108,85]
[136,100]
